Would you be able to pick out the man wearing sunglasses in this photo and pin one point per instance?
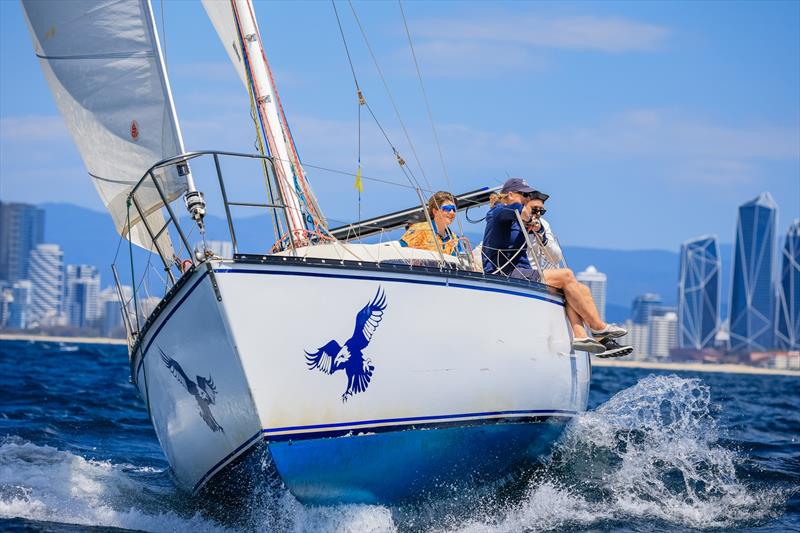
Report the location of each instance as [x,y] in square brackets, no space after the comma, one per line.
[504,252]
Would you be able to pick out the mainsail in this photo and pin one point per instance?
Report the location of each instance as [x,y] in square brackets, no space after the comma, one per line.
[237,28]
[103,63]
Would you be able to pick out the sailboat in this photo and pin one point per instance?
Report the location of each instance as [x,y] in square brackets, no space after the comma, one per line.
[355,371]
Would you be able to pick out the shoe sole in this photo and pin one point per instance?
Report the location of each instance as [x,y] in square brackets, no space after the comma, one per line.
[616,352]
[601,338]
[591,348]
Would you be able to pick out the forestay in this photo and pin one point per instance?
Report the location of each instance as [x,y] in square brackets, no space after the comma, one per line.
[103,63]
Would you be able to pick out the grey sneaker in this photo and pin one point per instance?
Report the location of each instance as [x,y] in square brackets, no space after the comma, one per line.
[587,345]
[612,331]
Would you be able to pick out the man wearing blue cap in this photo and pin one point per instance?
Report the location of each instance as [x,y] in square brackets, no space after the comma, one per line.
[504,252]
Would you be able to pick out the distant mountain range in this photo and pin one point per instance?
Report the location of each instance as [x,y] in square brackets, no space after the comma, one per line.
[89,237]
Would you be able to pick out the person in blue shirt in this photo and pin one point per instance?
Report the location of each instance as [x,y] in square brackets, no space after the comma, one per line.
[504,252]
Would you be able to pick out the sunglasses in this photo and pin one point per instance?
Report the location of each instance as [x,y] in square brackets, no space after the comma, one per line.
[448,208]
[538,211]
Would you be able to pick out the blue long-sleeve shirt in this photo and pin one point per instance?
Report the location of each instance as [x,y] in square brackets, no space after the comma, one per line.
[504,245]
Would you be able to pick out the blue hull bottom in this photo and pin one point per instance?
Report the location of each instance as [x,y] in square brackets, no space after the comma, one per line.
[396,466]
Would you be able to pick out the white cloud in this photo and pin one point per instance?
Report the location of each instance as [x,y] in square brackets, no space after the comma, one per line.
[474,46]
[605,34]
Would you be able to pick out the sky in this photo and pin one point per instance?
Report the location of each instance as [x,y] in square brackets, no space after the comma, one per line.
[648,123]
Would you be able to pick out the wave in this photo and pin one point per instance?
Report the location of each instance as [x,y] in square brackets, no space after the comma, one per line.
[651,453]
[42,483]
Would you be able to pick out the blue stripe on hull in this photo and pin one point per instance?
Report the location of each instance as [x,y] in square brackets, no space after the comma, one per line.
[396,466]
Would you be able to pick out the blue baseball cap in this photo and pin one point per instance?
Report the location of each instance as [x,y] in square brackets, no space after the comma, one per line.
[516,185]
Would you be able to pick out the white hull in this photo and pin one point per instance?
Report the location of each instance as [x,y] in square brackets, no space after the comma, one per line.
[451,350]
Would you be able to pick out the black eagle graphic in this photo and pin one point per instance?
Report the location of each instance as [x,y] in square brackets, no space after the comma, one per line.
[350,357]
[204,391]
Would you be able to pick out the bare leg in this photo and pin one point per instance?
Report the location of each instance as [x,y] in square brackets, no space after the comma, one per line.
[575,321]
[578,295]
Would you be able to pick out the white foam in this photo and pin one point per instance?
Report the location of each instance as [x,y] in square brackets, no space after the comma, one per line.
[44,483]
[650,452]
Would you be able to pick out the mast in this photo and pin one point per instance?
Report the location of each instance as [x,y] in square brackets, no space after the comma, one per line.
[302,214]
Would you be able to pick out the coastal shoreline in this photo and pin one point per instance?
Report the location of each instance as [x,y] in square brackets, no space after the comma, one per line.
[652,365]
[698,367]
[71,340]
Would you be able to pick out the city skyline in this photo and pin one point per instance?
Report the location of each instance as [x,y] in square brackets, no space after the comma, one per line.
[669,134]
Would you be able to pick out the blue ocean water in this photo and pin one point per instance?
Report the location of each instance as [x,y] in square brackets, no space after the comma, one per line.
[657,451]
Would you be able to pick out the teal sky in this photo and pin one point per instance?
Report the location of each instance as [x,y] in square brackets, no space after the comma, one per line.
[647,122]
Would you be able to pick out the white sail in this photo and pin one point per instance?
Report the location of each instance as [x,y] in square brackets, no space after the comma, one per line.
[237,28]
[103,64]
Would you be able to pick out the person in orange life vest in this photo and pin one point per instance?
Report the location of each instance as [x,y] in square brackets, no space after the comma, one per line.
[442,212]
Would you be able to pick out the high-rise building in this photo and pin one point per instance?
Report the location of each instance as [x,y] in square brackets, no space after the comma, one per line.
[596,281]
[699,293]
[82,291]
[6,298]
[752,307]
[20,306]
[787,314]
[46,272]
[663,333]
[112,323]
[639,338]
[21,229]
[643,306]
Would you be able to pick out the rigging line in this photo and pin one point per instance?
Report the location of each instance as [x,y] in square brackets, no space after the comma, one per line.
[414,185]
[344,41]
[389,92]
[428,107]
[368,178]
[358,91]
[424,95]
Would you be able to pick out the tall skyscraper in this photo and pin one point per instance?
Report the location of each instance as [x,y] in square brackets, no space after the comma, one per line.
[699,293]
[21,229]
[20,306]
[643,306]
[596,281]
[82,291]
[46,273]
[663,333]
[752,304]
[787,314]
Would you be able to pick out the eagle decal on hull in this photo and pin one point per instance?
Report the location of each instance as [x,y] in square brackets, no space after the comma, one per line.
[350,357]
[204,391]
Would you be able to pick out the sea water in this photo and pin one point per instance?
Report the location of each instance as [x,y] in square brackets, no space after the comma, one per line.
[656,451]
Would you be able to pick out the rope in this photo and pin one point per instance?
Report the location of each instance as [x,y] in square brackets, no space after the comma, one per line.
[425,96]
[361,100]
[389,93]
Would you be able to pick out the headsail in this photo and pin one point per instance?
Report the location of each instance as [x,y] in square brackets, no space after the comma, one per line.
[237,28]
[103,64]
